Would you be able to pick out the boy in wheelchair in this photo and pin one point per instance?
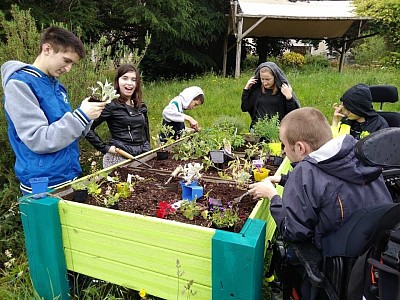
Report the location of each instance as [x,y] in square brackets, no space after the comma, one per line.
[327,185]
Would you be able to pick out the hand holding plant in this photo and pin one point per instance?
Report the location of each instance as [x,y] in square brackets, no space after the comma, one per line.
[104,93]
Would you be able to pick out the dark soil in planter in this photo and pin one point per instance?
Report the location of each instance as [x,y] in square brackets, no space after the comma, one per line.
[148,193]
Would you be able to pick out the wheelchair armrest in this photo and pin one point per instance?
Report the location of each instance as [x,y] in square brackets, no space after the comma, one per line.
[311,258]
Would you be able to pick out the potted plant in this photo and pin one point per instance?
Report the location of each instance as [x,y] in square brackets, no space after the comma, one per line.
[168,132]
[223,217]
[190,174]
[103,93]
[80,191]
[268,129]
[260,173]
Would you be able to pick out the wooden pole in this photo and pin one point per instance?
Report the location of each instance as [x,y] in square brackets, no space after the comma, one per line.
[239,47]
[43,241]
[342,57]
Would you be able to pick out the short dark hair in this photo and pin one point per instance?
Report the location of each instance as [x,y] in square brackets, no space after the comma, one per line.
[307,124]
[200,97]
[62,40]
[137,95]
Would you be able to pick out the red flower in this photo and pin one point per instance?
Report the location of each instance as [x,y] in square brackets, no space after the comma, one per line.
[164,209]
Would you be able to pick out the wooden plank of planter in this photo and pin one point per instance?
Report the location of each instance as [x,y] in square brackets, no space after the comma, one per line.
[136,251]
[168,173]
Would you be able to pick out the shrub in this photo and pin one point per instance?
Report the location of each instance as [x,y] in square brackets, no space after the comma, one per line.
[293,59]
[317,62]
[372,49]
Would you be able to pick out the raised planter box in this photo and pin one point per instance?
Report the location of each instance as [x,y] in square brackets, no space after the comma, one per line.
[140,252]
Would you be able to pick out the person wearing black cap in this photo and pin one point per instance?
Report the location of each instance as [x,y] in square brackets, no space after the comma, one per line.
[356,111]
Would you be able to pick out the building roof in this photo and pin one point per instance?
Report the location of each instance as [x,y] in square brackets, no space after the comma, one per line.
[301,19]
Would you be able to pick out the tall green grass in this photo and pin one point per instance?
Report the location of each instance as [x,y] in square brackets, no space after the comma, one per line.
[319,89]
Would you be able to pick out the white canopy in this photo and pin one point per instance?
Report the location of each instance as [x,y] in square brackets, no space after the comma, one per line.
[301,19]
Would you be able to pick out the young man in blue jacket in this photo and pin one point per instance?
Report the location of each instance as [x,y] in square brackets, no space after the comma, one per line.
[42,128]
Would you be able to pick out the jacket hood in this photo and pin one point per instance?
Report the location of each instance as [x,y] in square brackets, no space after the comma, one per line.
[189,94]
[358,100]
[280,77]
[9,68]
[337,158]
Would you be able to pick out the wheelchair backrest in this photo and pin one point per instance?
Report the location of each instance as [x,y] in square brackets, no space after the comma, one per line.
[361,230]
[380,148]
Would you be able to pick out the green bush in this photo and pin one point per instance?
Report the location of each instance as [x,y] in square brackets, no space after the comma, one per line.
[293,59]
[317,62]
[371,50]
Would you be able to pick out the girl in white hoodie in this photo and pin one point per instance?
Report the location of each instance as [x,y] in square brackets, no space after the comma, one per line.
[173,114]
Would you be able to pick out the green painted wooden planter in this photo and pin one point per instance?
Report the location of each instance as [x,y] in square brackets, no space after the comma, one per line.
[141,252]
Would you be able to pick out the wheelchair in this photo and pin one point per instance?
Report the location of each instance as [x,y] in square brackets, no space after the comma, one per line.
[361,260]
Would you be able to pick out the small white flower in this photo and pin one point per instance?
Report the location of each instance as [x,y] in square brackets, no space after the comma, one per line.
[8,253]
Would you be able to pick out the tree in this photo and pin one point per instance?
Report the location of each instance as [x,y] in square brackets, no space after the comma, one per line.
[386,18]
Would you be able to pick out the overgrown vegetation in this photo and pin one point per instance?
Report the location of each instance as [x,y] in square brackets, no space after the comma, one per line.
[314,87]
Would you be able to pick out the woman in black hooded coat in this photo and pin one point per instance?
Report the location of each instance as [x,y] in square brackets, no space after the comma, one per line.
[268,93]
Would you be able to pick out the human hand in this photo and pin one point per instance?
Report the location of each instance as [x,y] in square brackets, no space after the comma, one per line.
[337,113]
[287,91]
[274,179]
[262,189]
[249,84]
[193,123]
[92,109]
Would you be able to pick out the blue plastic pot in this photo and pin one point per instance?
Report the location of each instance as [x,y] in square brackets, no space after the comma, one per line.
[39,186]
[191,191]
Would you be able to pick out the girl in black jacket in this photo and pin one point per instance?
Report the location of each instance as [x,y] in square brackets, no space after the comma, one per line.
[126,118]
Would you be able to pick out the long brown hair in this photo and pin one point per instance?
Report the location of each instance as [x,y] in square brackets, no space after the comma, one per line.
[137,94]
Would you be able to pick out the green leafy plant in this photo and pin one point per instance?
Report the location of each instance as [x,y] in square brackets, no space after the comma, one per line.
[240,169]
[104,92]
[190,209]
[79,186]
[168,133]
[222,216]
[268,128]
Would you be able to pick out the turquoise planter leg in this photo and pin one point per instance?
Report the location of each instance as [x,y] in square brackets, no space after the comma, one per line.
[43,242]
[238,262]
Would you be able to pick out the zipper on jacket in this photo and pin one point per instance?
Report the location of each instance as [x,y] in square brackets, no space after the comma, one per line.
[129,131]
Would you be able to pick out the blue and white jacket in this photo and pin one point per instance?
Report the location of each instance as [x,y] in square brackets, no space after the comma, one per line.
[42,129]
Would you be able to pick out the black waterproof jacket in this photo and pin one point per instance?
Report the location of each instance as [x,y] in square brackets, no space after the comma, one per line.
[251,97]
[128,127]
[324,189]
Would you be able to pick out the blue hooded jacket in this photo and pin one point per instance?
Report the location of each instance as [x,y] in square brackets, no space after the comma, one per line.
[42,129]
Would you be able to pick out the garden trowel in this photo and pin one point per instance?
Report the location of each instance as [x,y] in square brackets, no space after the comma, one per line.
[174,173]
[238,199]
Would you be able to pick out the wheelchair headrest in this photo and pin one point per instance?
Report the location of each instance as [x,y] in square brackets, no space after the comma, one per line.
[380,148]
[384,93]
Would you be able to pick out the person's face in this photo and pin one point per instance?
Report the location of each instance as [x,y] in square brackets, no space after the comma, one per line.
[60,62]
[292,151]
[194,103]
[349,114]
[127,85]
[267,80]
